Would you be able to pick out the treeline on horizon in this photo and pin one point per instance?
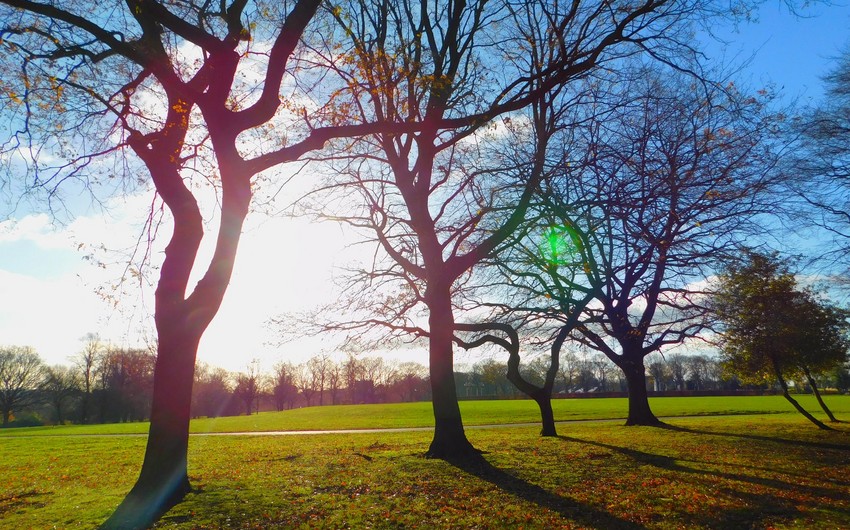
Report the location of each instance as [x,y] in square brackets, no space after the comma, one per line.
[114,385]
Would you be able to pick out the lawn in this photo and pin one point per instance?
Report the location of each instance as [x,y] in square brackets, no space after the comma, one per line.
[743,471]
[403,415]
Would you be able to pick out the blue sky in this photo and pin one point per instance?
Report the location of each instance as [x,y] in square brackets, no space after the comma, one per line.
[48,288]
[792,52]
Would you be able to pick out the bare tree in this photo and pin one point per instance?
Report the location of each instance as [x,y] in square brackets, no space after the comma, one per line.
[669,181]
[678,370]
[305,382]
[247,387]
[126,384]
[820,161]
[334,381]
[568,368]
[319,368]
[86,361]
[212,392]
[284,389]
[202,94]
[411,381]
[438,201]
[21,375]
[60,385]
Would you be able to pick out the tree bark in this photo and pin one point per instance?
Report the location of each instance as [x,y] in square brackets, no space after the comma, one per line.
[639,411]
[547,416]
[450,440]
[814,386]
[779,377]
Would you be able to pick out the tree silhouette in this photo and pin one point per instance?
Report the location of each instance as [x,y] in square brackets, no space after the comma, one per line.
[480,76]
[124,89]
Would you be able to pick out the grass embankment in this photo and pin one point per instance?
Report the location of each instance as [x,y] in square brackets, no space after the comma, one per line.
[772,471]
[402,415]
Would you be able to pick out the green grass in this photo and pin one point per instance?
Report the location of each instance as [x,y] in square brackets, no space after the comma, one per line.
[706,472]
[401,415]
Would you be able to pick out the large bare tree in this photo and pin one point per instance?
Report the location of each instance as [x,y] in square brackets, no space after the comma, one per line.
[188,93]
[437,201]
[670,182]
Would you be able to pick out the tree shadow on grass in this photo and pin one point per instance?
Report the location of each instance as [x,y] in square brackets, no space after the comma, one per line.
[580,513]
[757,508]
[785,441]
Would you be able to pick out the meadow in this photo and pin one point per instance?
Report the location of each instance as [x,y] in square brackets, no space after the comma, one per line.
[758,466]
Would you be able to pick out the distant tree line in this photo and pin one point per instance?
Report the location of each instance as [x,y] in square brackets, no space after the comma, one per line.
[105,384]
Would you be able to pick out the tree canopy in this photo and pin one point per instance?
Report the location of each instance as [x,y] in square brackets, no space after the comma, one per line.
[772,330]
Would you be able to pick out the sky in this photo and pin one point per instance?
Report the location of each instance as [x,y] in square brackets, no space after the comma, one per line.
[57,282]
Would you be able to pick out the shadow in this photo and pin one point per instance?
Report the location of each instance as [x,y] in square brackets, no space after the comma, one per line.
[785,441]
[582,514]
[758,507]
[18,501]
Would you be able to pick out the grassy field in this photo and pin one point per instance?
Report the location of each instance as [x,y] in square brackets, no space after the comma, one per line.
[770,471]
[401,415]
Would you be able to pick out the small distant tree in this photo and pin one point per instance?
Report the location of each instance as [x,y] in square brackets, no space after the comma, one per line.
[61,384]
[568,369]
[842,378]
[411,381]
[126,384]
[305,383]
[284,390]
[212,392]
[319,368]
[86,362]
[21,374]
[248,388]
[770,329]
[699,369]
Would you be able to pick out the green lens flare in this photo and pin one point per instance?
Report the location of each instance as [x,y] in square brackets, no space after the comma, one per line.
[561,245]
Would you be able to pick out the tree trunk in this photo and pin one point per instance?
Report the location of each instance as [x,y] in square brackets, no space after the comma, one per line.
[639,411]
[163,480]
[547,416]
[450,440]
[180,323]
[814,386]
[779,377]
[6,414]
[84,412]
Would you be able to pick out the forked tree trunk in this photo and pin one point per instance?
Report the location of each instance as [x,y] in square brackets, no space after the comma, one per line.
[450,440]
[639,411]
[813,384]
[180,322]
[542,395]
[781,379]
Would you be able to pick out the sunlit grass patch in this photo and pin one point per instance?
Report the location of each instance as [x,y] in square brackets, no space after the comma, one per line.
[403,415]
[721,472]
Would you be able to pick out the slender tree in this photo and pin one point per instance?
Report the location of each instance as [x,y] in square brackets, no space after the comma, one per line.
[247,388]
[86,361]
[821,341]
